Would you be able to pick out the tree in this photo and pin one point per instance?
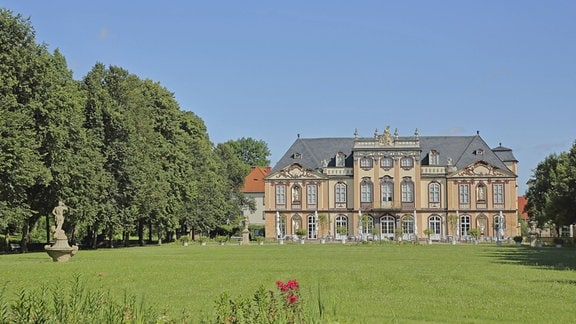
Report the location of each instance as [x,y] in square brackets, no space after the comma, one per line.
[551,190]
[252,152]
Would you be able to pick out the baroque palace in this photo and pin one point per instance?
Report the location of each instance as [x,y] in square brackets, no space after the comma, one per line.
[391,187]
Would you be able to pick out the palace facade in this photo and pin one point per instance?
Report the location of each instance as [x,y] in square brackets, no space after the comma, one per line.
[390,187]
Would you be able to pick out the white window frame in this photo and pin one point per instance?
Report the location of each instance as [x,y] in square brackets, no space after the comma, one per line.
[280,195]
[340,192]
[311,194]
[434,192]
[498,193]
[464,193]
[366,190]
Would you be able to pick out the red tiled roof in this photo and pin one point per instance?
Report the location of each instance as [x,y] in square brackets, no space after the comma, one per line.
[521,204]
[254,181]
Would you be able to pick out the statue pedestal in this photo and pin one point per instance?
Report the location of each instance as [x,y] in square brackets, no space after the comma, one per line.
[245,237]
[60,251]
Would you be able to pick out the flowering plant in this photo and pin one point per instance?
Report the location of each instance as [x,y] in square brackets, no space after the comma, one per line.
[290,290]
[264,307]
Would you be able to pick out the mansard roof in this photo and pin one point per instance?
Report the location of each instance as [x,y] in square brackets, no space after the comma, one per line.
[462,151]
[313,153]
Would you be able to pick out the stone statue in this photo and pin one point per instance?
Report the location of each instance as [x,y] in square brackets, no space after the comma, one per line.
[60,251]
[58,213]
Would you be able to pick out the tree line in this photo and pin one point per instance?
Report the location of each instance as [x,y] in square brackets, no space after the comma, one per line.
[117,149]
[551,194]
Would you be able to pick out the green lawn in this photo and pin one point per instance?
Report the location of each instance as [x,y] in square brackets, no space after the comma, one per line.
[356,283]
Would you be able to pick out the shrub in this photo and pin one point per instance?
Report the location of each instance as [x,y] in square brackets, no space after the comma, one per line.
[265,306]
[518,239]
[301,232]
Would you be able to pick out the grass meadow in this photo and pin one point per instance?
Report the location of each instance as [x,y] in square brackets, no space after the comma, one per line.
[354,283]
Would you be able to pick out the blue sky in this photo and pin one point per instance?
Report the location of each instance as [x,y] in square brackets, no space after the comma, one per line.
[273,69]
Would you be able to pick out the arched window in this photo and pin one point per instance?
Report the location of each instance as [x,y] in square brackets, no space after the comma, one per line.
[464,225]
[434,192]
[387,189]
[341,229]
[366,191]
[367,224]
[340,191]
[312,227]
[387,226]
[435,224]
[407,187]
[408,227]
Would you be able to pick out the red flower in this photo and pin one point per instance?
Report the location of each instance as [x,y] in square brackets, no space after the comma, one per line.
[292,284]
[292,298]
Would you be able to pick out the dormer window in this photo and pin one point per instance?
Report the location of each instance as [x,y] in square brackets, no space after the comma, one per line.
[340,159]
[297,156]
[433,157]
[479,152]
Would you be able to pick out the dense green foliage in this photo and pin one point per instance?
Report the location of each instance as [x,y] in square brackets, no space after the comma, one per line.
[551,191]
[252,152]
[113,147]
[364,283]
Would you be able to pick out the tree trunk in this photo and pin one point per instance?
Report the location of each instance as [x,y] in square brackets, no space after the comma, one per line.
[110,237]
[141,232]
[25,237]
[126,238]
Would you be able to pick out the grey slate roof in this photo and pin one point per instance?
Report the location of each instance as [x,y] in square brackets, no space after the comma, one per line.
[463,150]
[314,150]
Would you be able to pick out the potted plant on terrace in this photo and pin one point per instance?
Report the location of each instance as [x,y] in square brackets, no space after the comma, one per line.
[203,240]
[260,240]
[342,232]
[428,232]
[301,234]
[322,223]
[518,239]
[474,233]
[184,239]
[221,239]
[398,233]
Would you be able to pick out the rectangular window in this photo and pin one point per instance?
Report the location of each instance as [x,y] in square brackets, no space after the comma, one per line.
[464,193]
[366,163]
[498,193]
[312,194]
[407,192]
[280,195]
[387,191]
[366,192]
